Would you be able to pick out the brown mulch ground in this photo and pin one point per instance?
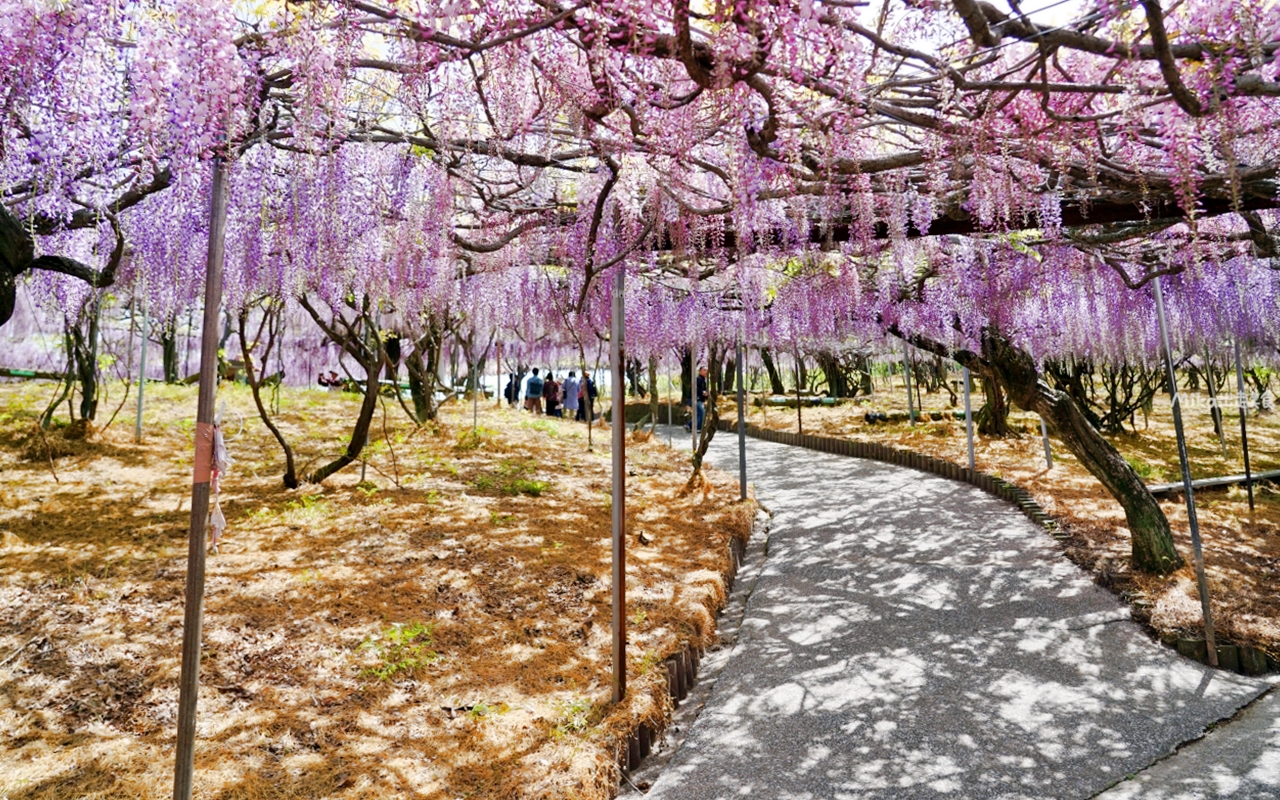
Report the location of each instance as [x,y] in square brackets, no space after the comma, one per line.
[1242,548]
[438,631]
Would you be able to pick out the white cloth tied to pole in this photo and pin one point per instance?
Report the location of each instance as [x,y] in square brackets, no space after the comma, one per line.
[221,463]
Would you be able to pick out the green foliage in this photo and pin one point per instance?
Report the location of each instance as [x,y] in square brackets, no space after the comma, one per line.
[541,425]
[307,506]
[367,488]
[482,709]
[1145,471]
[510,476]
[477,438]
[573,717]
[400,649]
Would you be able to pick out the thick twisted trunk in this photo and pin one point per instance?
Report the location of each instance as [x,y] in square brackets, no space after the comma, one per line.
[1152,540]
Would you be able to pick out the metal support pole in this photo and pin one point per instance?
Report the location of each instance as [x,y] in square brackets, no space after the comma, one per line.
[497,373]
[906,372]
[475,395]
[968,417]
[619,429]
[742,430]
[1048,454]
[1201,583]
[189,681]
[1243,403]
[142,375]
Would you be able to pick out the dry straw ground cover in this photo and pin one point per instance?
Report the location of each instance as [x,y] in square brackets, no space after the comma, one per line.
[1242,549]
[439,631]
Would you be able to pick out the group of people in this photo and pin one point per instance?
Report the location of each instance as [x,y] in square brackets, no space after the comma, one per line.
[548,396]
[332,380]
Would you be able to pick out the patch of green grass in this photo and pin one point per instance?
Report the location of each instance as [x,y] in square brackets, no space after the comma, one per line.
[1145,470]
[500,520]
[482,709]
[541,425]
[476,439]
[510,476]
[526,486]
[307,506]
[573,717]
[400,649]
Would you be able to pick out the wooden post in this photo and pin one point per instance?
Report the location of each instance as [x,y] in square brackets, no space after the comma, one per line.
[693,403]
[799,413]
[189,681]
[906,373]
[742,429]
[617,353]
[968,417]
[1243,402]
[671,385]
[497,373]
[142,375]
[475,395]
[619,431]
[1187,488]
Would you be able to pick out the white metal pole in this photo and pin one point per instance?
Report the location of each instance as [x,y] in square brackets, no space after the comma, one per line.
[1048,454]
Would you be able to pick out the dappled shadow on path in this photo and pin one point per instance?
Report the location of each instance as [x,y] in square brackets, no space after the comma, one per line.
[911,636]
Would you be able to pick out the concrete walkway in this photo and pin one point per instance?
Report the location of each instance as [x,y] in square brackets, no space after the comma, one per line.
[913,637]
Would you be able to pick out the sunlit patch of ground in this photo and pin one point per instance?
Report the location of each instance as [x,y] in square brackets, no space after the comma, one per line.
[441,630]
[1242,548]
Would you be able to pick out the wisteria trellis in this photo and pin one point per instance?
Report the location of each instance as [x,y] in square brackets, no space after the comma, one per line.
[979,181]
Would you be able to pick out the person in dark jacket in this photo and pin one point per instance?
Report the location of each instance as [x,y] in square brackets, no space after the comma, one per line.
[701,393]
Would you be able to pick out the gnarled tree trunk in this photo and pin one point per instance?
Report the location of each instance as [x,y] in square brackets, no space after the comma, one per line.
[1152,540]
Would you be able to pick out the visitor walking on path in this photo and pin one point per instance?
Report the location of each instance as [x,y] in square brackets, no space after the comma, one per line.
[551,394]
[587,394]
[572,386]
[533,393]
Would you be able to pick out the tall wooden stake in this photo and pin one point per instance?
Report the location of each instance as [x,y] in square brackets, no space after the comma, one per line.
[619,430]
[142,375]
[742,429]
[906,372]
[497,373]
[1243,403]
[968,417]
[799,412]
[693,403]
[189,681]
[1201,583]
[671,385]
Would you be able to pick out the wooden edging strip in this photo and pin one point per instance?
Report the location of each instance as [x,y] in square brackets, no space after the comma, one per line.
[682,673]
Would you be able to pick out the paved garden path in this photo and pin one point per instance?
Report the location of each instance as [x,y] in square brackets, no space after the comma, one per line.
[913,637]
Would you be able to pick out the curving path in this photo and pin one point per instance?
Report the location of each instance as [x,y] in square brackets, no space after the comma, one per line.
[910,636]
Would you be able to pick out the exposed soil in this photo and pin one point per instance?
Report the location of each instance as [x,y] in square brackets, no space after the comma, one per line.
[438,631]
[1241,548]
